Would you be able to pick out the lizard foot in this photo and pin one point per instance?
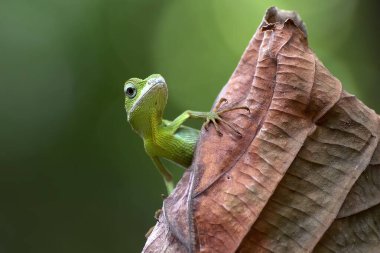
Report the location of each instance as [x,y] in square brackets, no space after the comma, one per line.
[215,117]
[156,217]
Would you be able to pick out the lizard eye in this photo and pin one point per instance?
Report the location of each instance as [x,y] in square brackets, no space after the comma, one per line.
[130,90]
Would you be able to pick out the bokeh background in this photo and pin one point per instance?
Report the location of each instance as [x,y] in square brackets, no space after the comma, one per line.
[73,175]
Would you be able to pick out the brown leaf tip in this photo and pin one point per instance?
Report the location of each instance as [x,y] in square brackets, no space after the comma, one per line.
[275,15]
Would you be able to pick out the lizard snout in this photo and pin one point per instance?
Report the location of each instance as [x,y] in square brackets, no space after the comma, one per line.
[156,80]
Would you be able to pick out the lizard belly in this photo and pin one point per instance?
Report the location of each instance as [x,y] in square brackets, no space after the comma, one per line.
[178,147]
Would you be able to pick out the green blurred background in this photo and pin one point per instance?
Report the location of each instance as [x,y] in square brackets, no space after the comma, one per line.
[73,175]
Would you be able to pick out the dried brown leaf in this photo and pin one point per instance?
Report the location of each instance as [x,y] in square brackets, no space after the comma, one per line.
[297,168]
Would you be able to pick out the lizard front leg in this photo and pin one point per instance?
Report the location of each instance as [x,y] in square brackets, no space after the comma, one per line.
[210,117]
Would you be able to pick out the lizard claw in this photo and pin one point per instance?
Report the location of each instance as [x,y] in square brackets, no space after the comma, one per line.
[147,234]
[156,217]
[157,214]
[205,125]
[214,121]
[219,104]
[224,100]
[232,126]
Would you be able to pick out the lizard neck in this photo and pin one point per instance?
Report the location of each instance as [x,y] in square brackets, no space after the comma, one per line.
[146,123]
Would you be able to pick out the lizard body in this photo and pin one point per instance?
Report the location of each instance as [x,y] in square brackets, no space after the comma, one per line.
[145,101]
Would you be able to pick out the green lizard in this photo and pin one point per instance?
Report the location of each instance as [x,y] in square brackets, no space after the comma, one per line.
[145,101]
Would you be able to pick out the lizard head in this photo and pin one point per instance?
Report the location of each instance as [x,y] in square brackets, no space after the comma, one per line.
[144,97]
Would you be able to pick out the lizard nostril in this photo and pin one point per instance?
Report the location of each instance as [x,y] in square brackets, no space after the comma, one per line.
[152,81]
